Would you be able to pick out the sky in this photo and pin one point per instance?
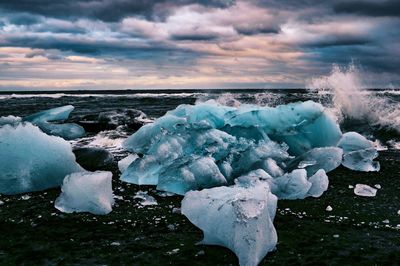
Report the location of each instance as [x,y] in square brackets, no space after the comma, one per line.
[160,44]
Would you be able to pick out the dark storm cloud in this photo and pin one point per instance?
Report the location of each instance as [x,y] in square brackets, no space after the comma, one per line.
[105,10]
[285,40]
[369,8]
[338,41]
[194,37]
[257,29]
[23,19]
[84,46]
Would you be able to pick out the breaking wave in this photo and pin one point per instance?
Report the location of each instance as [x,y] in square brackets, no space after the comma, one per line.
[344,89]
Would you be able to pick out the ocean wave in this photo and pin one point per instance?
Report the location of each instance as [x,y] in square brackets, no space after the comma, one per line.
[344,89]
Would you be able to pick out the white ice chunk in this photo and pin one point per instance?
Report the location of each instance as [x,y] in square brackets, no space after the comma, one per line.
[86,192]
[31,160]
[67,130]
[238,217]
[365,190]
[146,199]
[359,152]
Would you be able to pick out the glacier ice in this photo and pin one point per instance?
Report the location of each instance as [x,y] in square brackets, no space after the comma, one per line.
[31,160]
[238,217]
[231,142]
[43,120]
[86,192]
[359,152]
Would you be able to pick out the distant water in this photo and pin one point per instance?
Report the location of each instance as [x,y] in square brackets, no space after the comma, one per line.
[366,118]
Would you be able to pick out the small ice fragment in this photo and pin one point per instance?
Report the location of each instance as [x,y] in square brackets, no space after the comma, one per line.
[200,253]
[398,212]
[173,252]
[1,202]
[304,164]
[364,190]
[329,208]
[386,221]
[25,197]
[351,186]
[86,192]
[336,236]
[118,197]
[146,200]
[171,227]
[176,210]
[378,186]
[165,194]
[115,244]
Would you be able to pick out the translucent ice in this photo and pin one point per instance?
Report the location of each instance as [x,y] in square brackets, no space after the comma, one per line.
[31,160]
[328,158]
[365,190]
[296,185]
[231,141]
[86,192]
[146,199]
[124,163]
[195,174]
[359,152]
[239,217]
[67,130]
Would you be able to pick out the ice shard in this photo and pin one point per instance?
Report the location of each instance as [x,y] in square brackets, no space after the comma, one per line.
[359,152]
[86,192]
[31,160]
[43,120]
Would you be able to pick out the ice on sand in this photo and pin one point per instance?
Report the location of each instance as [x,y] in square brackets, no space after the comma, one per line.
[204,145]
[365,190]
[359,152]
[239,217]
[86,192]
[43,120]
[31,160]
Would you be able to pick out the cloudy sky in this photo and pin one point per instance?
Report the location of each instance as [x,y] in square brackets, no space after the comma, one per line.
[136,44]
